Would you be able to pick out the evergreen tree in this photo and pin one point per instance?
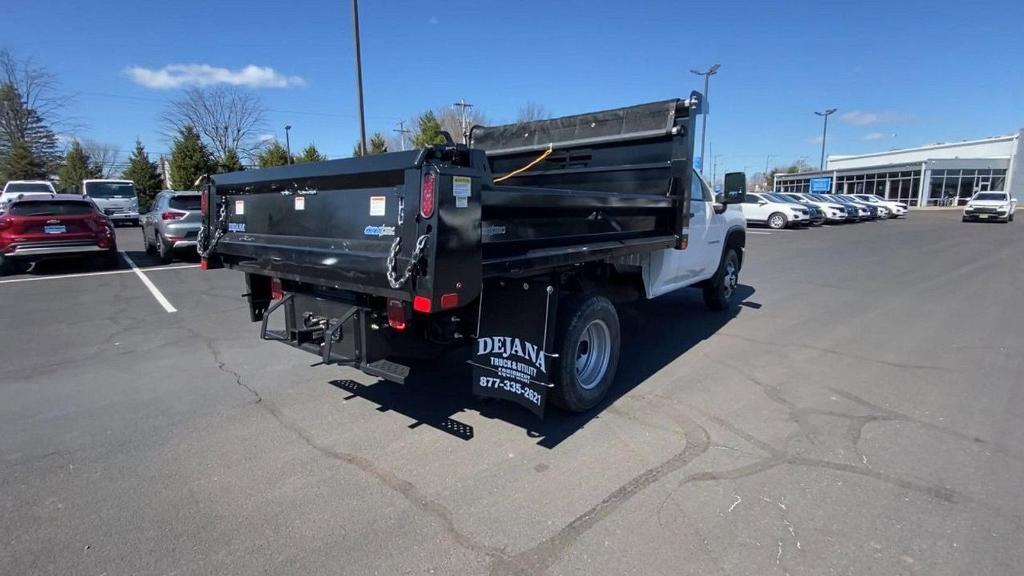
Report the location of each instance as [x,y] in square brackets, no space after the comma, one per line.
[19,163]
[310,154]
[230,162]
[378,143]
[428,131]
[77,166]
[189,159]
[144,174]
[273,155]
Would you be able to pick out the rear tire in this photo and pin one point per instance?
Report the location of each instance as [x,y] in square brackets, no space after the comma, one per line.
[721,288]
[777,221]
[588,347]
[150,248]
[164,252]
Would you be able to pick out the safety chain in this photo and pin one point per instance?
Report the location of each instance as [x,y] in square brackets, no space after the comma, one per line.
[217,234]
[414,259]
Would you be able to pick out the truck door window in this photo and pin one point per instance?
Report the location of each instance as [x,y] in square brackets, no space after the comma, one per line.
[699,191]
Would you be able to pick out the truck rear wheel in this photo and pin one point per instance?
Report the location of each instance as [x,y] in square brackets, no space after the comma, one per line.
[588,348]
[719,290]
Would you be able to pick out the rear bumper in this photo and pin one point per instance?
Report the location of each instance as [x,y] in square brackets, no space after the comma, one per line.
[971,215]
[30,251]
[123,216]
[183,244]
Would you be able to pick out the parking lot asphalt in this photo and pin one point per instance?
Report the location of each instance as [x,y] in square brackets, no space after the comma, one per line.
[860,413]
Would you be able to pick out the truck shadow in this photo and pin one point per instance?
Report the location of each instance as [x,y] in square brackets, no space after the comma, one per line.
[654,334]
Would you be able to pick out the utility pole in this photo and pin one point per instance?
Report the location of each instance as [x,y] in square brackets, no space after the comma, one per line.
[704,123]
[767,159]
[402,131]
[462,104]
[359,77]
[824,133]
[714,171]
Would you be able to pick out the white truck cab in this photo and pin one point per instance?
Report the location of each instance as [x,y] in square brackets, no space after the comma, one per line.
[711,224]
[115,198]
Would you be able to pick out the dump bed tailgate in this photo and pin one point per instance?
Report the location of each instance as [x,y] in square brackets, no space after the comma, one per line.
[331,223]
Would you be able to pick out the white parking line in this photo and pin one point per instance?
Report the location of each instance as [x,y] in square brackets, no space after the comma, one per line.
[149,284]
[86,274]
[757,232]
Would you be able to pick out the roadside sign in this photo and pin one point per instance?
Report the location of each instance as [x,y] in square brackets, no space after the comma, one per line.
[821,184]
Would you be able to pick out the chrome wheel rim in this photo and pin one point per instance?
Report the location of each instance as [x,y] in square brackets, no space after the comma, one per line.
[730,279]
[777,222]
[593,351]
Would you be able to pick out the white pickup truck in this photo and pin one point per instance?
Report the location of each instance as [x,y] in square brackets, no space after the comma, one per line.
[15,188]
[990,206]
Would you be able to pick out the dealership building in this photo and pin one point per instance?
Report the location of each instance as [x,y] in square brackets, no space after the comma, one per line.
[945,174]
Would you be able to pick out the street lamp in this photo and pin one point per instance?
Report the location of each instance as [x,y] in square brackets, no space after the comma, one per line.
[824,133]
[704,123]
[288,142]
[359,76]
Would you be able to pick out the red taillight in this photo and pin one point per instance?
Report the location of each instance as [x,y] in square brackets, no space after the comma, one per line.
[172,215]
[276,291]
[396,314]
[450,300]
[428,194]
[421,304]
[203,201]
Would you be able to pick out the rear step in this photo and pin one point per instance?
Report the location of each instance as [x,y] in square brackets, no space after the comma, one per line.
[387,370]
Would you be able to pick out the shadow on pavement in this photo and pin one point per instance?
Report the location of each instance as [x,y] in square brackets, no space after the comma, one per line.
[654,333]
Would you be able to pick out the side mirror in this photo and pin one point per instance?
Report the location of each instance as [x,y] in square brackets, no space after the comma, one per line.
[735,188]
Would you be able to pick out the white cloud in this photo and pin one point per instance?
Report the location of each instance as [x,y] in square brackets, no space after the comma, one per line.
[858,118]
[182,75]
[871,136]
[266,138]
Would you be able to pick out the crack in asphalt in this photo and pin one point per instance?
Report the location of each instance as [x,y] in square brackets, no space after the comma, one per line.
[540,557]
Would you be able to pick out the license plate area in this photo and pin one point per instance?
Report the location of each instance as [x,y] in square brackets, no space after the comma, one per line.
[54,229]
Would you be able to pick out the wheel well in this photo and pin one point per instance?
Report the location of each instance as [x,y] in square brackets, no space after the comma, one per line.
[736,238]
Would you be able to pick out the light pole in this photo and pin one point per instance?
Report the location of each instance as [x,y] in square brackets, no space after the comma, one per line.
[824,133]
[288,142]
[767,159]
[704,123]
[359,76]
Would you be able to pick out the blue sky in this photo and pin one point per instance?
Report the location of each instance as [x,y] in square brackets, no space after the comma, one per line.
[901,73]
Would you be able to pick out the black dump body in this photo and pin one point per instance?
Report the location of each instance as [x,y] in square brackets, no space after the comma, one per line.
[614,182]
[349,238]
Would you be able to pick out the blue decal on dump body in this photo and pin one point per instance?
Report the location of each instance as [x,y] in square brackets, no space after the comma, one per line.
[379,231]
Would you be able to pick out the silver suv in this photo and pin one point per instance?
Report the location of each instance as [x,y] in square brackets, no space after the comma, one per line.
[172,223]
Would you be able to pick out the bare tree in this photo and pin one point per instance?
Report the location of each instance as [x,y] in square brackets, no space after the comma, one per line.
[32,109]
[227,117]
[532,111]
[451,121]
[104,156]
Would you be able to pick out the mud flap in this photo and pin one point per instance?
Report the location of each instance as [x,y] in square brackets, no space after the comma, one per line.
[516,326]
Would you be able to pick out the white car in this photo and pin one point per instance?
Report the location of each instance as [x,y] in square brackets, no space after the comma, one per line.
[776,215]
[896,209]
[16,188]
[833,212]
[990,206]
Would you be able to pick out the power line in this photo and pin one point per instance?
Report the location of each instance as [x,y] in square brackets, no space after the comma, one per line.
[462,104]
[402,131]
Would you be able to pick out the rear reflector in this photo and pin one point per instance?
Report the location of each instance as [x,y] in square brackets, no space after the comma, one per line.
[204,264]
[396,314]
[421,304]
[276,291]
[203,200]
[428,194]
[449,301]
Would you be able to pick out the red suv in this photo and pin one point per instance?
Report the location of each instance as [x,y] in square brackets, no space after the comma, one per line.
[34,228]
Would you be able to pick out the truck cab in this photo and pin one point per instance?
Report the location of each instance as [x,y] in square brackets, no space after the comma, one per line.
[115,198]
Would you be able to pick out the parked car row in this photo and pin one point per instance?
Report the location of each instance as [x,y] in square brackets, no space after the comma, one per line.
[779,210]
[37,223]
